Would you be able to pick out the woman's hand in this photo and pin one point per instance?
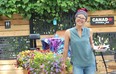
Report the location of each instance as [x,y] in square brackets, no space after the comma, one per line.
[63,66]
[101,47]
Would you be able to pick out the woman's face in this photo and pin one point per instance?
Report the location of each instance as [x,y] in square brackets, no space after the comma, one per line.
[80,20]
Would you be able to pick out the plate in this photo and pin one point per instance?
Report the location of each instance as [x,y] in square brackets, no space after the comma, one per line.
[102,49]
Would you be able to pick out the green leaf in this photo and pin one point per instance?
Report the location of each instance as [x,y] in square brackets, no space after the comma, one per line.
[13,1]
[12,10]
[23,6]
[9,15]
[100,1]
[28,16]
[97,0]
[27,9]
[63,4]
[25,1]
[18,5]
[43,7]
[1,10]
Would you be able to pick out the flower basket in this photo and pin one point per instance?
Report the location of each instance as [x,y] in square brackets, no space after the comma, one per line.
[37,62]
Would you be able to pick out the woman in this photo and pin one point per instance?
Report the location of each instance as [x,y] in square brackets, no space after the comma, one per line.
[79,38]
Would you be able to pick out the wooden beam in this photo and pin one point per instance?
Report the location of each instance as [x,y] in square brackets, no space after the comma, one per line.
[14,16]
[15,28]
[20,22]
[102,12]
[17,16]
[14,33]
[16,22]
[94,29]
[104,29]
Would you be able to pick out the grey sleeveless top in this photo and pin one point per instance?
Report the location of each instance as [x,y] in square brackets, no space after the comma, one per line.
[81,51]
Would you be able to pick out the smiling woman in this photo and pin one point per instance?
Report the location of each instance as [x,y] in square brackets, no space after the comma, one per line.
[79,38]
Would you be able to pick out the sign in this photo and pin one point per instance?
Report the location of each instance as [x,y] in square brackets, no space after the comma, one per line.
[7,24]
[101,20]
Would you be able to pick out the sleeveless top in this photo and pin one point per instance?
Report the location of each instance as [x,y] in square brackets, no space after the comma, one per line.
[81,51]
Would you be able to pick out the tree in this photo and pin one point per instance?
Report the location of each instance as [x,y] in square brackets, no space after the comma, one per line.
[51,8]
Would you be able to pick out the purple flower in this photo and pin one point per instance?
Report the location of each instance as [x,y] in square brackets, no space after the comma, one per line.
[51,72]
[42,66]
[46,72]
[57,70]
[31,69]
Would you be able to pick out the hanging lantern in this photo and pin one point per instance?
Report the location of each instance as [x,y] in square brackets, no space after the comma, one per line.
[54,22]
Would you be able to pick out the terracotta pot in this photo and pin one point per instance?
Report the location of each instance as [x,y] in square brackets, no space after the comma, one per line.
[25,71]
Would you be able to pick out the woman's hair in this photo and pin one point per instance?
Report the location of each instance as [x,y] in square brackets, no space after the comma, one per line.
[82,11]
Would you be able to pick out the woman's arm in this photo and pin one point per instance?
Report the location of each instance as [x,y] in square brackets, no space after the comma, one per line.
[66,45]
[99,48]
[91,39]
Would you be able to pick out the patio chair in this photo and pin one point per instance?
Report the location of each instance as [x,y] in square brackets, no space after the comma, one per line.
[105,62]
[33,38]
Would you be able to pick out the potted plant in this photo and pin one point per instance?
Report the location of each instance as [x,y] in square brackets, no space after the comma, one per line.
[37,62]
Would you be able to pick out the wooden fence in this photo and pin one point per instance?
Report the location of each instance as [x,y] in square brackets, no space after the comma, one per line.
[103,28]
[19,26]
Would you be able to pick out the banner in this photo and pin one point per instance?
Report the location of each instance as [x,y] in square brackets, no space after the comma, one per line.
[102,20]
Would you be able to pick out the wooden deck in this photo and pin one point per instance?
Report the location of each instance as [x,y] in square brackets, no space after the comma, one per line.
[9,66]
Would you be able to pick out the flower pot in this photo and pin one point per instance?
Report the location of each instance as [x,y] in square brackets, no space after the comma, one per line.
[25,71]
